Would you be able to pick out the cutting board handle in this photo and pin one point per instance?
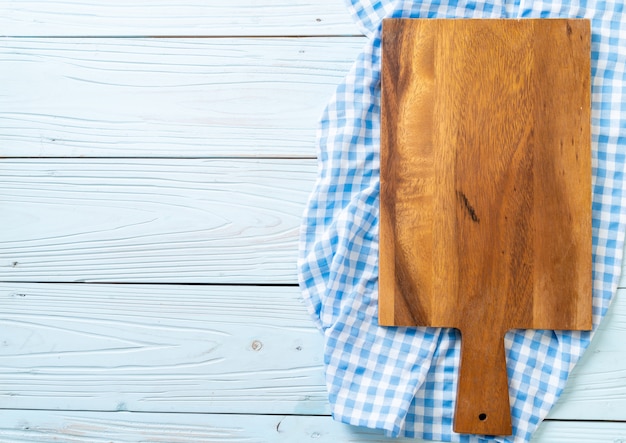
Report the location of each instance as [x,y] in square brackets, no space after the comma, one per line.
[482,404]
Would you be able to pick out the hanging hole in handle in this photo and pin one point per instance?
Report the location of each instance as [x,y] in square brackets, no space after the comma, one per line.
[482,416]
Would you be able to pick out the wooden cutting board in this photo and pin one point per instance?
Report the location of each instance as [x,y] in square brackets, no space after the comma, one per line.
[485,193]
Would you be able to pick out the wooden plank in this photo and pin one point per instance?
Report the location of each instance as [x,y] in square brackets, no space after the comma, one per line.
[193,17]
[125,427]
[167,97]
[188,221]
[161,348]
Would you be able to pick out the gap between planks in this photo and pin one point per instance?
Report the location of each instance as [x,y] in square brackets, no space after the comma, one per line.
[140,283]
[215,37]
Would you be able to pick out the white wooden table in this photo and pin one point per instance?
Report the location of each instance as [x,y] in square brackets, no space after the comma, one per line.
[156,159]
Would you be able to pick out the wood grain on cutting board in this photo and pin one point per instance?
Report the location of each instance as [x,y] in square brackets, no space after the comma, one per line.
[485,188]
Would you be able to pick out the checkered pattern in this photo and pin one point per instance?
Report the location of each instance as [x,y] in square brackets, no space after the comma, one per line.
[403,380]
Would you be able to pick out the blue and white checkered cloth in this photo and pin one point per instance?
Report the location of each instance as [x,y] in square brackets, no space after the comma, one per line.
[403,380]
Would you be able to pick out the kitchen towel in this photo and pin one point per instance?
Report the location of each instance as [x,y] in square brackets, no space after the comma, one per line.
[403,380]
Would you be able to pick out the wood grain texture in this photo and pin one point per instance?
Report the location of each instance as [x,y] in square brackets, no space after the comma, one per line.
[163,348]
[167,97]
[200,349]
[188,221]
[124,427]
[485,189]
[157,18]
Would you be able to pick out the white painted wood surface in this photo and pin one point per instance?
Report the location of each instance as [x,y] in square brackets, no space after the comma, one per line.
[123,427]
[146,220]
[160,97]
[159,162]
[166,17]
[161,348]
